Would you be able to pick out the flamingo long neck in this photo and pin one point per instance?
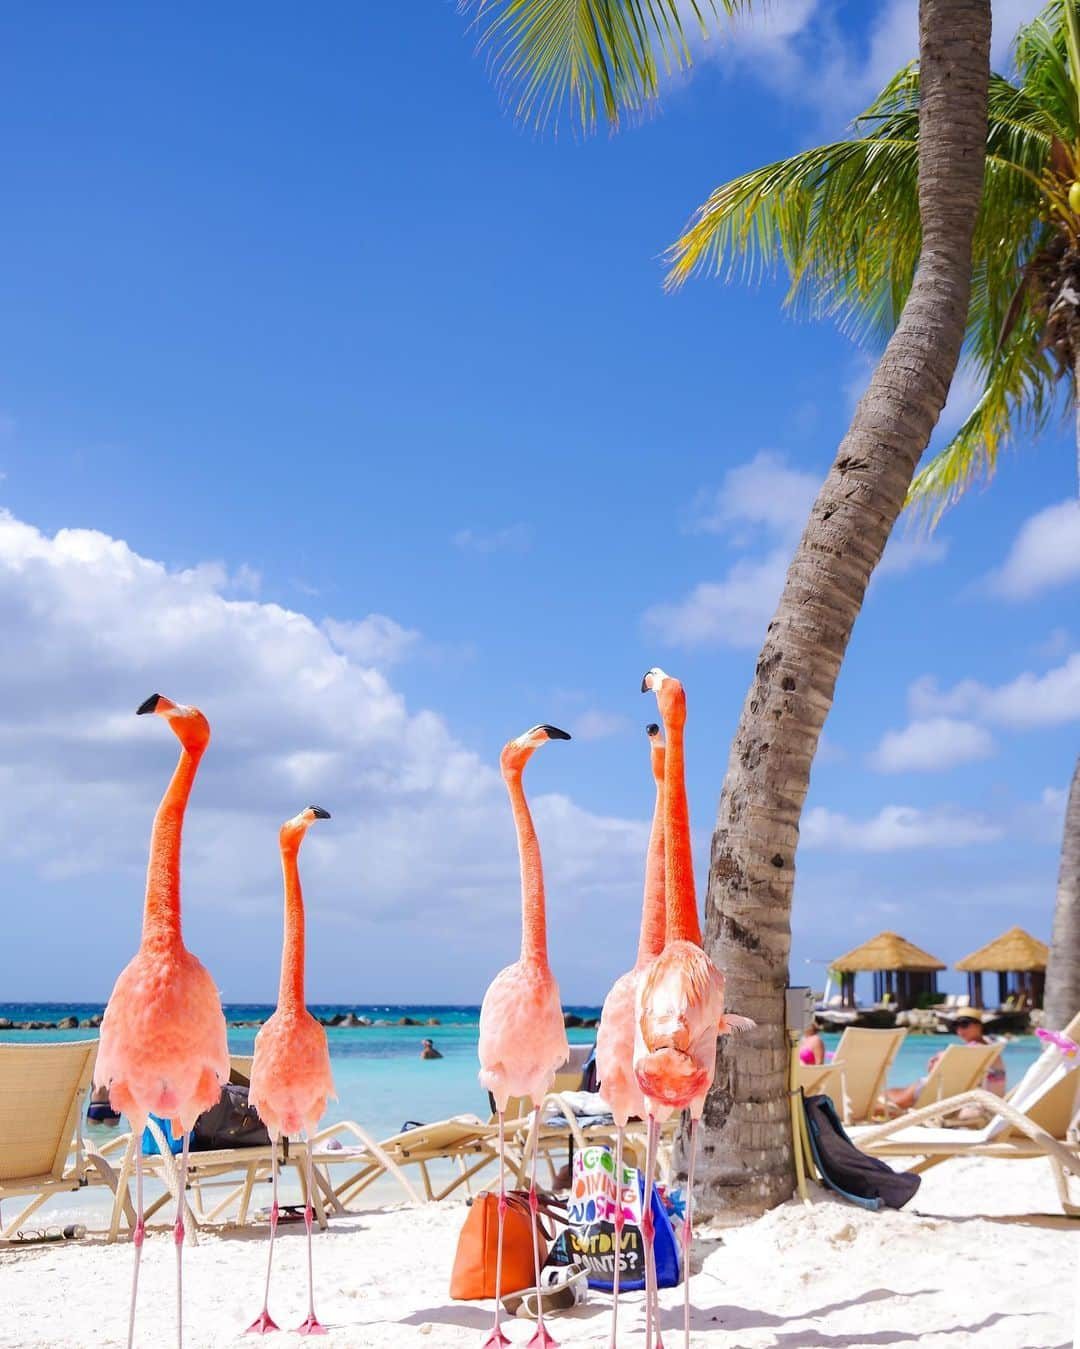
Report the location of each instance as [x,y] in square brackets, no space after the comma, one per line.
[654,908]
[533,918]
[161,913]
[682,912]
[291,989]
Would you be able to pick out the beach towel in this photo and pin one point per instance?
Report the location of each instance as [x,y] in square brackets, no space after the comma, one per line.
[864,1180]
[590,1235]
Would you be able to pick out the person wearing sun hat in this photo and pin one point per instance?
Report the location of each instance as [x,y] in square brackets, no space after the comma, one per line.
[967,1023]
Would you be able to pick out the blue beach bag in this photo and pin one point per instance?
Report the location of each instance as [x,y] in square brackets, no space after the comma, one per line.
[150,1144]
[590,1236]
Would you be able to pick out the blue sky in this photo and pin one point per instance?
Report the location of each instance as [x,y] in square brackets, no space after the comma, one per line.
[304,329]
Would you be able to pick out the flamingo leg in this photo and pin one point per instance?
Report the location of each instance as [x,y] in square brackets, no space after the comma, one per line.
[312,1325]
[264,1322]
[138,1234]
[178,1237]
[688,1231]
[496,1339]
[619,1223]
[648,1231]
[541,1339]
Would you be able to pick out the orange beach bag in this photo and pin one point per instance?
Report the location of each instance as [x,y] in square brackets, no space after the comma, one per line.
[473,1275]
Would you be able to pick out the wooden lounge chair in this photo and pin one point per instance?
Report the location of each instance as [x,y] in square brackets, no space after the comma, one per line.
[43,1091]
[1039,1118]
[866,1055]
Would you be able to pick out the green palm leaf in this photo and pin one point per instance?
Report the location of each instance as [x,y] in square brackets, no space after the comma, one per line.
[587,57]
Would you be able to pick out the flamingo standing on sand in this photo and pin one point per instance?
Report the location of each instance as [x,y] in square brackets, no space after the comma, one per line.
[680,1007]
[615,1034]
[522,1035]
[163,1048]
[290,1074]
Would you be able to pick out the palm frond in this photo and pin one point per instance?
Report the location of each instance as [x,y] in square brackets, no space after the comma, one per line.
[1018,395]
[587,57]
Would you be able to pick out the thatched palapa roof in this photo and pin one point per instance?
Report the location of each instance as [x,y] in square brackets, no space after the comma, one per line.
[886,951]
[1013,950]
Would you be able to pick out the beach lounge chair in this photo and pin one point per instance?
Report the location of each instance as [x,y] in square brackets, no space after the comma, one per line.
[1039,1118]
[465,1141]
[43,1091]
[234,1172]
[960,1068]
[866,1055]
[822,1079]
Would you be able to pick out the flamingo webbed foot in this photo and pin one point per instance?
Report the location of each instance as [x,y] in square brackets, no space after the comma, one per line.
[263,1324]
[496,1339]
[312,1326]
[542,1339]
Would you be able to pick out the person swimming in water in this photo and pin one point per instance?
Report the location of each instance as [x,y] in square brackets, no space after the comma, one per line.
[428,1050]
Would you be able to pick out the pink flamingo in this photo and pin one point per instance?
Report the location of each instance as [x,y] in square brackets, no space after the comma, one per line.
[680,1008]
[163,1048]
[522,1035]
[290,1075]
[615,1035]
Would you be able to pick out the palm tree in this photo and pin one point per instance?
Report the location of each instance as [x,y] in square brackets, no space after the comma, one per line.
[844,221]
[594,56]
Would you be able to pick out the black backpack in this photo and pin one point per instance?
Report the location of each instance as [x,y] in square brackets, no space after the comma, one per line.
[232,1123]
[863,1179]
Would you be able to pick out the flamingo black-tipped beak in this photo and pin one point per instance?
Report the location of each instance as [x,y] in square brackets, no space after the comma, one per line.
[319,813]
[645,681]
[149,706]
[553,733]
[652,729]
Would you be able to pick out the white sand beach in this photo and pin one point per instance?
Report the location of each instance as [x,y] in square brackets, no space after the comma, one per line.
[977,1259]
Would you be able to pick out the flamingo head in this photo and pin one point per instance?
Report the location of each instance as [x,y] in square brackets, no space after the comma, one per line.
[656,750]
[516,753]
[293,831]
[188,724]
[670,697]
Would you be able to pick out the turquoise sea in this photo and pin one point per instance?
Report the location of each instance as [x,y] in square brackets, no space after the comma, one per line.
[381,1079]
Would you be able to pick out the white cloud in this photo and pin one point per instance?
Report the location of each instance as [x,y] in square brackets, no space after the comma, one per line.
[904,552]
[1045,553]
[594,725]
[420,850]
[763,492]
[374,640]
[931,745]
[799,48]
[733,611]
[512,538]
[896,829]
[1050,699]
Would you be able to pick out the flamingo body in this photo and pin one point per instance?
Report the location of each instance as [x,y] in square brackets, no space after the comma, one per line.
[522,1035]
[291,1080]
[163,1045]
[615,1050]
[680,1011]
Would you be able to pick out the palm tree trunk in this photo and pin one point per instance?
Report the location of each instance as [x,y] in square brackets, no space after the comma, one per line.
[747,1162]
[1063,969]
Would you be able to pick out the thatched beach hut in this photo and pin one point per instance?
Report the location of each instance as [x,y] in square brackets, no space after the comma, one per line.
[1018,958]
[900,969]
